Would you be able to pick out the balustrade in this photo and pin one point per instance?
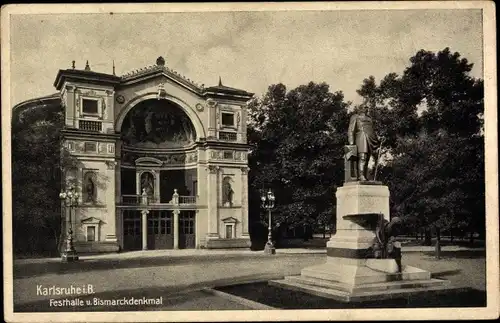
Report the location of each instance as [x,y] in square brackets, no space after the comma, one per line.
[95,126]
[227,136]
[131,199]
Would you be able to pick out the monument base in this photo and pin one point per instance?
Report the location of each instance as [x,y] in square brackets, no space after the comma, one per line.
[354,283]
[351,273]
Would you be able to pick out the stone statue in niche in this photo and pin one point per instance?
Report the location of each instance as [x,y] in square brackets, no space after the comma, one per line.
[157,124]
[90,188]
[147,183]
[227,192]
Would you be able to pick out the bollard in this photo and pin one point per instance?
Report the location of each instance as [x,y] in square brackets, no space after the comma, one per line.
[438,250]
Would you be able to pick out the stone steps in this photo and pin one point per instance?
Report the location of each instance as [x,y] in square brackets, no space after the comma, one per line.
[361,275]
[386,286]
[378,291]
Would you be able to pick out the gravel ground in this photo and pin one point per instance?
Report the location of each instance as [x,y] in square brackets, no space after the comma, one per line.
[168,277]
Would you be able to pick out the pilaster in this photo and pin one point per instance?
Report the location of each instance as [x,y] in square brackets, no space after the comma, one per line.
[144,222]
[212,191]
[111,201]
[175,227]
[244,202]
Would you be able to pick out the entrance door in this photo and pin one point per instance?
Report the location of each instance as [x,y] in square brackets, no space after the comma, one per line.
[187,229]
[160,235]
[132,232]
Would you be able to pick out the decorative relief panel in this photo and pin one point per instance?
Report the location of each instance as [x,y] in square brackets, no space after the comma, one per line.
[102,148]
[192,157]
[70,145]
[215,154]
[77,103]
[228,155]
[64,98]
[91,147]
[120,99]
[93,93]
[228,107]
[104,109]
[79,146]
[167,159]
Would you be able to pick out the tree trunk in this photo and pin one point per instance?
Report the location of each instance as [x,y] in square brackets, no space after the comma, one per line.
[451,235]
[427,237]
[471,238]
[438,234]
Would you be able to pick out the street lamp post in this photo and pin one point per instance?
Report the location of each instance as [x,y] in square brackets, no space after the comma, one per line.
[267,200]
[70,199]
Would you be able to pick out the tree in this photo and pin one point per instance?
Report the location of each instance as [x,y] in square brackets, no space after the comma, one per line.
[36,179]
[432,117]
[298,139]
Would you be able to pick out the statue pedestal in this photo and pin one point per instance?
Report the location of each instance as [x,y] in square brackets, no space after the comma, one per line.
[350,272]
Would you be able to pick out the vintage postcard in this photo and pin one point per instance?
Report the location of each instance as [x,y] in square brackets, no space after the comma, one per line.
[250,161]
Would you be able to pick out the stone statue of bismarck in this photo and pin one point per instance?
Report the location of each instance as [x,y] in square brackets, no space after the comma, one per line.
[363,139]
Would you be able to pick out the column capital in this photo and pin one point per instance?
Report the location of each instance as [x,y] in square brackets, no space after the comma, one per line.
[211,103]
[245,170]
[213,169]
[111,164]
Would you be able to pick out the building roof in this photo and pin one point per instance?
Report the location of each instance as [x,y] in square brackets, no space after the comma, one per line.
[89,76]
[227,90]
[84,75]
[52,99]
[160,68]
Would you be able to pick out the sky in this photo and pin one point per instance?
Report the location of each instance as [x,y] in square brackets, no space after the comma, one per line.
[249,50]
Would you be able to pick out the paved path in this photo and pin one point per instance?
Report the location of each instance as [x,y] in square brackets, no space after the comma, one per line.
[151,274]
[222,252]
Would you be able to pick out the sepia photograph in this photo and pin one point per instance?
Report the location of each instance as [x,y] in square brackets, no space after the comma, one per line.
[249,161]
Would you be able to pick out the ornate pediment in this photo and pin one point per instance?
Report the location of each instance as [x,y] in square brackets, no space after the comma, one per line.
[91,220]
[229,220]
[160,69]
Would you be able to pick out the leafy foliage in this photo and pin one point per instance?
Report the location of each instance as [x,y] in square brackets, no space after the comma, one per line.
[297,139]
[432,117]
[36,178]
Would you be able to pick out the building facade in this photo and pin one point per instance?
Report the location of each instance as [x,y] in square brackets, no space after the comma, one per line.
[159,161]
